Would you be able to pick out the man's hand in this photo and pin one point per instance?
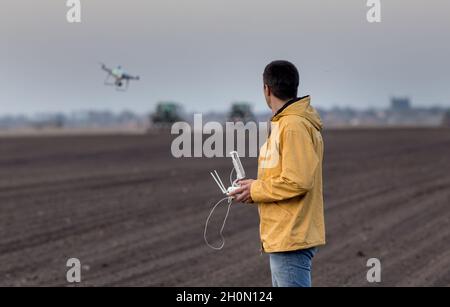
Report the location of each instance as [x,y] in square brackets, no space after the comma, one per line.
[243,195]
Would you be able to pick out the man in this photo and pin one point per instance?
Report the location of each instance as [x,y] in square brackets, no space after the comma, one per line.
[289,184]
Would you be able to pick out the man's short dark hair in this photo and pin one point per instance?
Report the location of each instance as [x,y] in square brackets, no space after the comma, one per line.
[283,79]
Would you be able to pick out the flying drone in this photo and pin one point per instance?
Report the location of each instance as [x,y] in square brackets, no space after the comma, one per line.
[118,77]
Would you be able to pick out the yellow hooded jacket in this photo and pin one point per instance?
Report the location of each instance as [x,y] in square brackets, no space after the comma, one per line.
[289,185]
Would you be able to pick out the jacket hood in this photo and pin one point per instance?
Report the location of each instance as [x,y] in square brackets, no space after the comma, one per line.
[301,107]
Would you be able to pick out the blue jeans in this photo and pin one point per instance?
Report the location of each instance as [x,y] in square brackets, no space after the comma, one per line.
[292,269]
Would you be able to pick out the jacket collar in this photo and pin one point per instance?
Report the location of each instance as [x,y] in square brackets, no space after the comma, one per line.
[287,104]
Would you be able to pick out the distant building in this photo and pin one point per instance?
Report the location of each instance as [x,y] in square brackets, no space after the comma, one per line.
[400,104]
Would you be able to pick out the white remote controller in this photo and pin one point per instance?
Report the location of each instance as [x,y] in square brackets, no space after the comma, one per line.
[240,173]
[232,189]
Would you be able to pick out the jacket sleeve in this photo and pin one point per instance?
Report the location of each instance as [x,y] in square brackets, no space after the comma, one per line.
[299,162]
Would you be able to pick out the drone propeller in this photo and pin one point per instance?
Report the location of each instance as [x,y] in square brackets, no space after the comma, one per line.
[105,68]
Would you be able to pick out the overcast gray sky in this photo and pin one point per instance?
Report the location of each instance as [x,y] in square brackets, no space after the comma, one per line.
[207,53]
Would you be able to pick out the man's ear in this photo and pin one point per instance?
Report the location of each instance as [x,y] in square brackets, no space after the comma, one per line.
[267,90]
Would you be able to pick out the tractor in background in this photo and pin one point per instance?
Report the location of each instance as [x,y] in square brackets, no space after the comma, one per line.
[166,114]
[241,112]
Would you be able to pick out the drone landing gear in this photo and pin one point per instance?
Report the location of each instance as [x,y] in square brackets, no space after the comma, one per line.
[107,81]
[121,86]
